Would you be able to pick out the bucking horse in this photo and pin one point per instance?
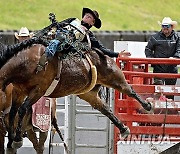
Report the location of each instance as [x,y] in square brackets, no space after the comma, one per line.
[80,73]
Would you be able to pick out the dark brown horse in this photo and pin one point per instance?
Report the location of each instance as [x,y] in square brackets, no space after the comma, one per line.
[5,105]
[75,78]
[9,104]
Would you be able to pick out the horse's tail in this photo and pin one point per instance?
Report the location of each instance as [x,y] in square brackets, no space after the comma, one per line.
[54,123]
[7,52]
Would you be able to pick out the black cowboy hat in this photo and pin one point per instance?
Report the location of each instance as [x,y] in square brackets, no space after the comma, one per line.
[95,14]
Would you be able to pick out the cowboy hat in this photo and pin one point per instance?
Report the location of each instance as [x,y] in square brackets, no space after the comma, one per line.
[23,32]
[95,14]
[168,21]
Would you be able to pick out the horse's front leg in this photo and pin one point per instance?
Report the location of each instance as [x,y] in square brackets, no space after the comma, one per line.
[93,98]
[17,143]
[12,115]
[33,97]
[2,134]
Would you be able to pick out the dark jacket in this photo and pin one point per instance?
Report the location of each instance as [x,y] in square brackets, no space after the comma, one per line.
[94,42]
[160,46]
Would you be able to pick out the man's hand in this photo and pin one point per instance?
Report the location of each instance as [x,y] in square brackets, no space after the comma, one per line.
[124,54]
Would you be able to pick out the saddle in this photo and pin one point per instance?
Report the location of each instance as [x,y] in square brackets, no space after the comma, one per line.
[65,42]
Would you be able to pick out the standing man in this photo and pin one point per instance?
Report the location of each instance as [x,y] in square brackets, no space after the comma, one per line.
[164,44]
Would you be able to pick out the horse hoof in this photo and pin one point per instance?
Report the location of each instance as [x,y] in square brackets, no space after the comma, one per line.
[66,148]
[11,151]
[125,134]
[17,145]
[148,106]
[152,109]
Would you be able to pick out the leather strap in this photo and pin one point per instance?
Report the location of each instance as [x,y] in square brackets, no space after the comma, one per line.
[56,80]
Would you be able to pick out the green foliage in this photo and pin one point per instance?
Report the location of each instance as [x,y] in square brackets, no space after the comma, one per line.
[115,14]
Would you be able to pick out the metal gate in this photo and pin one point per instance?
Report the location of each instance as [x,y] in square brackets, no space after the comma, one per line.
[165,120]
[55,144]
[85,130]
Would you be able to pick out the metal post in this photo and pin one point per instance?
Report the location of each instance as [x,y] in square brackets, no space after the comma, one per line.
[111,125]
[72,123]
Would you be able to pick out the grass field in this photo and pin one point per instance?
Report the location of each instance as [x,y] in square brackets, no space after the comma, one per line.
[115,14]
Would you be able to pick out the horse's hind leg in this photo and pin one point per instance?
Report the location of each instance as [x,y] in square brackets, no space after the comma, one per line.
[33,138]
[93,99]
[127,89]
[54,123]
[119,83]
[42,139]
[146,105]
[38,145]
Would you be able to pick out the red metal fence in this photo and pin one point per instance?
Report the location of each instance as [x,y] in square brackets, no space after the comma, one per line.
[166,119]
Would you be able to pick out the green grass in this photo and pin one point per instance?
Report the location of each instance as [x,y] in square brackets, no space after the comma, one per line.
[115,14]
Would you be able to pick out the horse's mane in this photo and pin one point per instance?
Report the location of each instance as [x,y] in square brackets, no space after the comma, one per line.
[7,52]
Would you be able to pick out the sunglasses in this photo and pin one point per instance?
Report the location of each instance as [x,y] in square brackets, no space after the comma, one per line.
[166,26]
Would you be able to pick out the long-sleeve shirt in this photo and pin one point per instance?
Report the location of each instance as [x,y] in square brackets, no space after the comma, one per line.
[94,42]
[160,46]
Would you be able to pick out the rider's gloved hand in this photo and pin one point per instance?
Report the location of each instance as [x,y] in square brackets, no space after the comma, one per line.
[124,54]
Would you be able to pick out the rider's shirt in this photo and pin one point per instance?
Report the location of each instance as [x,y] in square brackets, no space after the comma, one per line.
[78,29]
[94,42]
